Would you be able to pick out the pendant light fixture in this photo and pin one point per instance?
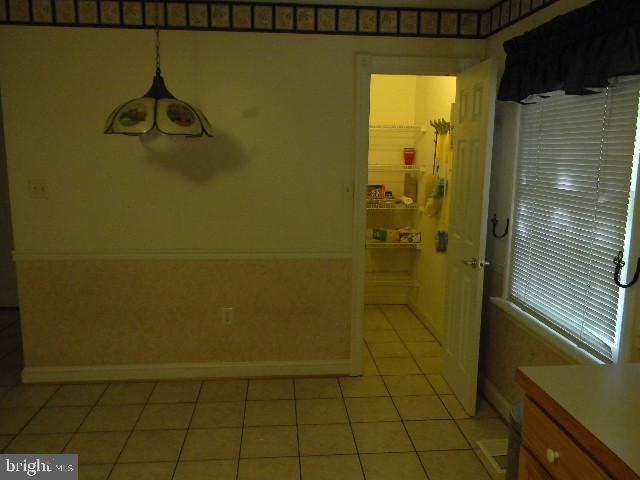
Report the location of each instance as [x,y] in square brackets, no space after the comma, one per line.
[158,109]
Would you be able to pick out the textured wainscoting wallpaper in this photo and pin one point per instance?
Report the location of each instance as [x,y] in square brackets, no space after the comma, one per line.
[109,312]
[506,345]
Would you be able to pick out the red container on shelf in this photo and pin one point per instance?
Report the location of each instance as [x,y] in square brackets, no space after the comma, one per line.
[409,156]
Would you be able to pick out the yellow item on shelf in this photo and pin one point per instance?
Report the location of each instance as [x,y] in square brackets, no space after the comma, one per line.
[385,234]
[398,235]
[430,182]
[434,203]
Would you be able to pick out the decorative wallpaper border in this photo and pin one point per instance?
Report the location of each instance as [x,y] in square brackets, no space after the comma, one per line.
[270,17]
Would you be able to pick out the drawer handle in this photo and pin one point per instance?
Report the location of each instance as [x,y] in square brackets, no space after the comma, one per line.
[552,456]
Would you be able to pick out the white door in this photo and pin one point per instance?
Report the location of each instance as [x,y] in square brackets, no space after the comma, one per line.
[473,140]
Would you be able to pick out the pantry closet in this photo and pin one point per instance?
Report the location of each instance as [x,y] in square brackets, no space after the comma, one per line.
[407,199]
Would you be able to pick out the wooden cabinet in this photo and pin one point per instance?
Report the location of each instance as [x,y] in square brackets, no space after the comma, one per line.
[530,469]
[554,452]
[580,422]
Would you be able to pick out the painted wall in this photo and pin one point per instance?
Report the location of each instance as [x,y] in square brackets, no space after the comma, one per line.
[8,282]
[393,99]
[274,178]
[505,344]
[275,182]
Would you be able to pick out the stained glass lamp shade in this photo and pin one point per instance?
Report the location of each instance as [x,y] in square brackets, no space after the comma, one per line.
[158,109]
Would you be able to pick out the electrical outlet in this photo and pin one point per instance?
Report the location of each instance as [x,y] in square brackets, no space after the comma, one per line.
[38,189]
[228,314]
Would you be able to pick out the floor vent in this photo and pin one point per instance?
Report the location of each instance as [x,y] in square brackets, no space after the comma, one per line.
[493,455]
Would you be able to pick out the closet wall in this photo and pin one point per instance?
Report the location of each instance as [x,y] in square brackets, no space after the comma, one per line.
[414,276]
[392,127]
[435,97]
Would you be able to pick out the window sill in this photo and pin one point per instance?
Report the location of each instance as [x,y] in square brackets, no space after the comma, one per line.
[563,346]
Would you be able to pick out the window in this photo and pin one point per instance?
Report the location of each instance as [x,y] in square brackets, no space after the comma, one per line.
[573,212]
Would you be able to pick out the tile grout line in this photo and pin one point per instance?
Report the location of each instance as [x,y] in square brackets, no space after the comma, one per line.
[396,331]
[398,411]
[402,341]
[422,373]
[93,406]
[295,400]
[244,414]
[366,346]
[394,404]
[425,375]
[186,433]
[133,429]
[38,410]
[77,430]
[295,411]
[455,421]
[406,431]
[414,358]
[353,434]
[82,423]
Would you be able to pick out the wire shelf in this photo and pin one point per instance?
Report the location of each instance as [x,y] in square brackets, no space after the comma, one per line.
[395,127]
[396,206]
[395,168]
[374,244]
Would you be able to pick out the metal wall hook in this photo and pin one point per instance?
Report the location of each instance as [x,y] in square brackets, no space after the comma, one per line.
[495,222]
[619,263]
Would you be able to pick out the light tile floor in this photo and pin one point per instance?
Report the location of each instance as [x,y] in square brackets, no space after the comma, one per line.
[400,421]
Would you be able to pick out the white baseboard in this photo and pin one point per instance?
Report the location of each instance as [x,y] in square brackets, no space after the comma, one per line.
[495,397]
[175,371]
[426,320]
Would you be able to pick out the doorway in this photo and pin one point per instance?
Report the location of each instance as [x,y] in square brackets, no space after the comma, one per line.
[422,185]
[409,169]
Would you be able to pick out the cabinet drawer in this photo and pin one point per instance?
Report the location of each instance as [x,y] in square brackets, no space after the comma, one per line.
[554,449]
[530,469]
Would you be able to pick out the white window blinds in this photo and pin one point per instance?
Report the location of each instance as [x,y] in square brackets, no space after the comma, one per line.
[571,212]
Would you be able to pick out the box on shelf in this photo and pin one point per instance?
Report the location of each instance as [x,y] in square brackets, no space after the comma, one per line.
[385,234]
[409,235]
[402,235]
[375,191]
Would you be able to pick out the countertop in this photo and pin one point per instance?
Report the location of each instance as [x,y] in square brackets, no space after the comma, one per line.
[598,405]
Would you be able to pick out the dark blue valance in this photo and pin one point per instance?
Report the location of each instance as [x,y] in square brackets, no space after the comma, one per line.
[575,52]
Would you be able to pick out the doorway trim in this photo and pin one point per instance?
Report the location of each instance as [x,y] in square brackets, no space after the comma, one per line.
[367,65]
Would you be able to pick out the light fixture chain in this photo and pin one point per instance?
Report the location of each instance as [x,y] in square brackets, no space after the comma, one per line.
[157,19]
[147,114]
